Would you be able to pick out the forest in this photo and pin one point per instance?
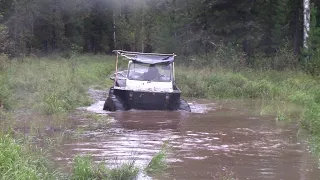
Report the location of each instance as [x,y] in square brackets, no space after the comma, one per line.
[53,53]
[257,31]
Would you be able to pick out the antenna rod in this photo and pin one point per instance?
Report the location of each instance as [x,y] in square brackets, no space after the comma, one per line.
[135,53]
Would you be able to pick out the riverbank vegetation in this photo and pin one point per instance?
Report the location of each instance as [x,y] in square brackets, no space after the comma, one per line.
[280,87]
[67,84]
[85,168]
[63,83]
[18,162]
[158,163]
[37,96]
[226,50]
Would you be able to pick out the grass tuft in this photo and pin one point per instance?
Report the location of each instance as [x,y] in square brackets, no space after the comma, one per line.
[126,171]
[84,169]
[158,162]
[16,162]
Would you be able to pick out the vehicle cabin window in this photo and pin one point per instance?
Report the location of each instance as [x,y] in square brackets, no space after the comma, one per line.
[150,72]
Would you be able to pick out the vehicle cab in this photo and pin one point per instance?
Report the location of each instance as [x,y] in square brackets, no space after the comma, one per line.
[150,77]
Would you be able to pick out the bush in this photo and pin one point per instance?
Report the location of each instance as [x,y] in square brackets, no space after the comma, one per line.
[284,59]
[311,118]
[221,56]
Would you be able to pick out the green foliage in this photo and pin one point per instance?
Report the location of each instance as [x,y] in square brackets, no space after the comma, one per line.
[84,169]
[184,27]
[312,54]
[280,20]
[222,83]
[6,122]
[224,56]
[17,163]
[311,118]
[57,85]
[283,59]
[5,42]
[219,83]
[62,98]
[315,145]
[125,172]
[5,90]
[158,162]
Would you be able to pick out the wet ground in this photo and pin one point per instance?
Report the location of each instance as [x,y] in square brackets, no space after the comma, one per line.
[216,138]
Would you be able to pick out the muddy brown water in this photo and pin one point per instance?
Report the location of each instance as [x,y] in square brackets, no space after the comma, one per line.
[217,137]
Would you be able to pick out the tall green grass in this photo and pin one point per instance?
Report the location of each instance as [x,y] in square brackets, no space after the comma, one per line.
[56,85]
[43,91]
[5,93]
[17,163]
[84,169]
[223,84]
[158,163]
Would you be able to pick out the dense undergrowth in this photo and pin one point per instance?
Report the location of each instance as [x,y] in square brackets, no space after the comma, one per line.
[16,162]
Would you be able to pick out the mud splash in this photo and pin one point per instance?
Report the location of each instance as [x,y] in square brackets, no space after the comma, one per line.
[215,138]
[99,97]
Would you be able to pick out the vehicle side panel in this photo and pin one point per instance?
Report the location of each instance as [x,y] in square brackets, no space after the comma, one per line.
[148,100]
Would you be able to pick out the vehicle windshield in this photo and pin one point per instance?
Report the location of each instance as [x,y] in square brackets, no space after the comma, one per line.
[150,72]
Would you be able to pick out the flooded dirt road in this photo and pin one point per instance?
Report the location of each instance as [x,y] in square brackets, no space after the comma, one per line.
[217,137]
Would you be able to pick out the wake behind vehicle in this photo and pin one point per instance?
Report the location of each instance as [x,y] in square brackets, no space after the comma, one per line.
[147,84]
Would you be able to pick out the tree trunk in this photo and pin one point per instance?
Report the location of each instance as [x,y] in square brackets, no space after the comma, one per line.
[306,28]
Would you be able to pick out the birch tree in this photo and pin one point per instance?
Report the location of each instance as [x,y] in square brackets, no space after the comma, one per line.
[306,18]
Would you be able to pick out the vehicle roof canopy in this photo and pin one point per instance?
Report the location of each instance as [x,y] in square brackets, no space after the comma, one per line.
[147,58]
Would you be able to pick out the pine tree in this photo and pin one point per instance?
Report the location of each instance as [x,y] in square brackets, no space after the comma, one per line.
[280,19]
